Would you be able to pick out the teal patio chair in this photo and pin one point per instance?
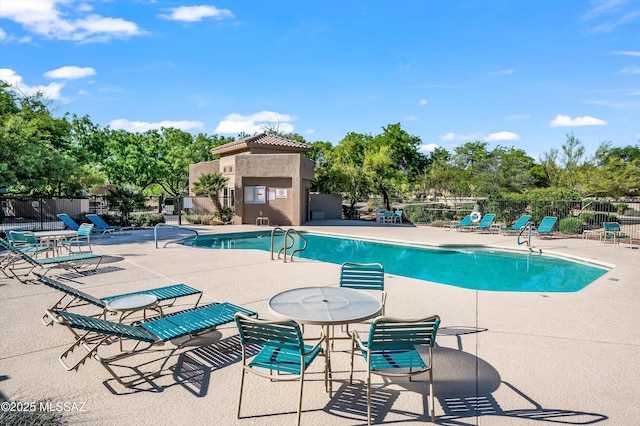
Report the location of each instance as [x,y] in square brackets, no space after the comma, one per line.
[466,221]
[16,261]
[82,239]
[390,351]
[27,242]
[73,298]
[101,224]
[98,333]
[517,226]
[546,226]
[483,225]
[282,350]
[611,232]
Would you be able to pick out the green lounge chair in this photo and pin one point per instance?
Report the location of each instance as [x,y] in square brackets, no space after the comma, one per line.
[483,225]
[466,221]
[390,351]
[545,228]
[517,226]
[16,260]
[282,350]
[101,224]
[73,297]
[98,333]
[611,232]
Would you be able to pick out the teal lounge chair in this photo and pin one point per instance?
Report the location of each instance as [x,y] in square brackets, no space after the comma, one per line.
[16,261]
[390,351]
[98,333]
[466,221]
[484,225]
[74,226]
[73,297]
[516,227]
[101,224]
[611,232]
[545,228]
[282,350]
[27,242]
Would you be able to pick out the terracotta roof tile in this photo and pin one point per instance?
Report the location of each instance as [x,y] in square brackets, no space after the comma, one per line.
[262,139]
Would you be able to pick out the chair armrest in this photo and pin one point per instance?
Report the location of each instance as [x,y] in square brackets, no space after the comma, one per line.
[322,338]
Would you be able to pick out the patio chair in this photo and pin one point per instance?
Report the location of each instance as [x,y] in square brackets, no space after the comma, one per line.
[16,260]
[27,242]
[545,228]
[83,238]
[101,224]
[282,350]
[517,226]
[100,332]
[74,298]
[483,225]
[466,221]
[74,226]
[611,232]
[390,351]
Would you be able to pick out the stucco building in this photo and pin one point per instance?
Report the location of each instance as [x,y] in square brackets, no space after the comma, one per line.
[267,177]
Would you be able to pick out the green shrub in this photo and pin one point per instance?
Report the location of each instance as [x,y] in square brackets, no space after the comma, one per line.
[415,213]
[570,225]
[146,219]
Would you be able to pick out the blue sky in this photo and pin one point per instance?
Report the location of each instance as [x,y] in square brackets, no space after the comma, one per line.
[521,73]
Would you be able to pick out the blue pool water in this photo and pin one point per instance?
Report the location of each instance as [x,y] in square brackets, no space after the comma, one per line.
[467,267]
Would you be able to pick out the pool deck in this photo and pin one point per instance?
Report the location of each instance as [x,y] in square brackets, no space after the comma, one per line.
[501,358]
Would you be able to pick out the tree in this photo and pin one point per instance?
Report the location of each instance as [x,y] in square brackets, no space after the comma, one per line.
[125,200]
[347,166]
[211,184]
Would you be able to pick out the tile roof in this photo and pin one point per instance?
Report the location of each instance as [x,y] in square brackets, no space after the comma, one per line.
[262,140]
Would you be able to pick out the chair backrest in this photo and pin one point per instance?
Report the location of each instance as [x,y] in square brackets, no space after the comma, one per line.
[487,220]
[279,334]
[547,224]
[466,221]
[611,226]
[22,238]
[71,224]
[104,327]
[97,220]
[522,221]
[85,229]
[53,283]
[362,276]
[23,256]
[396,333]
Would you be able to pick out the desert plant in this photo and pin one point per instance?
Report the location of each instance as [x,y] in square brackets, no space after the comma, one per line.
[570,225]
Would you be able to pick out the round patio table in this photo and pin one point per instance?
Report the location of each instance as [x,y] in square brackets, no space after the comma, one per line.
[325,306]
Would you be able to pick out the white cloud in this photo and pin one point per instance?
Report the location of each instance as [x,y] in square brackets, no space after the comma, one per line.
[503,72]
[518,117]
[142,126]
[566,121]
[254,123]
[428,147]
[309,131]
[57,19]
[634,69]
[3,34]
[502,136]
[455,136]
[410,118]
[50,91]
[626,53]
[423,102]
[70,72]
[448,137]
[197,13]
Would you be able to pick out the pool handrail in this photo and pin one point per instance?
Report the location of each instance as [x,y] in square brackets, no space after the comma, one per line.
[285,246]
[160,225]
[527,227]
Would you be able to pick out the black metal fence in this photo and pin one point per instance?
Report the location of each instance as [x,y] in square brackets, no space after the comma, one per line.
[574,216]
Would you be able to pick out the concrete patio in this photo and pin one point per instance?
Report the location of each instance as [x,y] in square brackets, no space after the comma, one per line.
[501,358]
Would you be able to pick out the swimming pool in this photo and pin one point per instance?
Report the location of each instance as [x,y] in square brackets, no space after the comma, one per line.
[474,268]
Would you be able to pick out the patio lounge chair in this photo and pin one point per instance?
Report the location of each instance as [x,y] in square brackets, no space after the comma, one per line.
[282,350]
[74,226]
[16,260]
[517,226]
[466,221]
[191,323]
[83,238]
[484,225]
[27,242]
[101,224]
[545,228]
[611,232]
[73,297]
[390,351]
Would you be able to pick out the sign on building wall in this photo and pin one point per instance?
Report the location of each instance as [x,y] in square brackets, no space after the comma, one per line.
[255,194]
[281,193]
[272,194]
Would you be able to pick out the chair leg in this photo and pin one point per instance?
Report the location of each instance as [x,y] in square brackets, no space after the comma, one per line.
[368,396]
[241,387]
[300,397]
[433,408]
